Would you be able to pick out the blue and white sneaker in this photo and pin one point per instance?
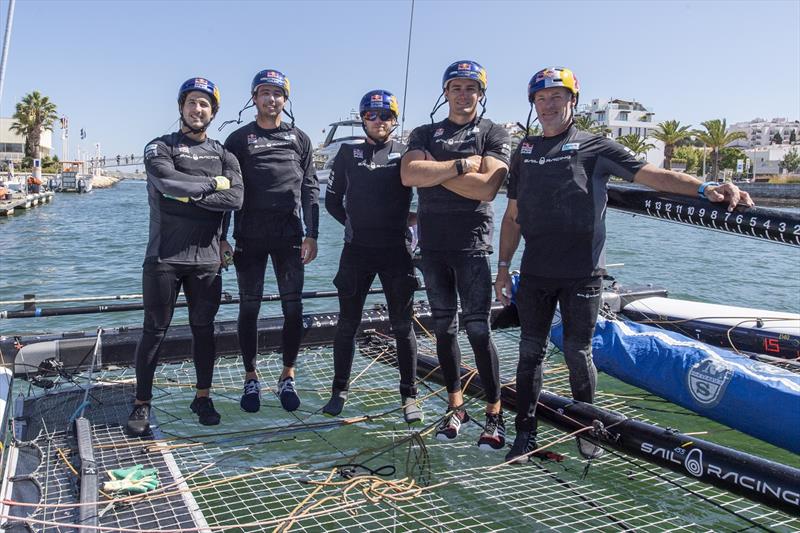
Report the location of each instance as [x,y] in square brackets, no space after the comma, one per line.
[290,401]
[251,399]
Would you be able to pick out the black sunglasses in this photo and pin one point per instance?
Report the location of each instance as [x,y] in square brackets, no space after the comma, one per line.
[383,114]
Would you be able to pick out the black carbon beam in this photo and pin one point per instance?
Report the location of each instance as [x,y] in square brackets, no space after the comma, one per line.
[767,482]
[89,490]
[774,225]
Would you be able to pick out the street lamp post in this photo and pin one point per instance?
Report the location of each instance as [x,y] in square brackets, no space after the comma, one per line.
[704,160]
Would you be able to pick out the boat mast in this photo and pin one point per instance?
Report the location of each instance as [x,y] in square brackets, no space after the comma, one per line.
[6,43]
[408,61]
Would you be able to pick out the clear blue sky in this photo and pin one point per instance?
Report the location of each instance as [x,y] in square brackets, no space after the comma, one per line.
[114,67]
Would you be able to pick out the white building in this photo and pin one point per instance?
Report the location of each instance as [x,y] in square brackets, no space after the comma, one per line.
[766,159]
[624,117]
[760,132]
[12,146]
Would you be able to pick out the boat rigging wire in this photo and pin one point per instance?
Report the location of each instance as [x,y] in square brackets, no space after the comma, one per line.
[408,62]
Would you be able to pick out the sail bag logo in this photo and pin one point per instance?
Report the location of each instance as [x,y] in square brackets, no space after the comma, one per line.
[707,381]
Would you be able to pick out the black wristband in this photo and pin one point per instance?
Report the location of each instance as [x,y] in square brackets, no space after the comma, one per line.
[460,166]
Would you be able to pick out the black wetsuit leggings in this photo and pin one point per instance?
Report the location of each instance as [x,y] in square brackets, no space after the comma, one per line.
[358,267]
[250,258]
[469,276]
[579,302]
[161,283]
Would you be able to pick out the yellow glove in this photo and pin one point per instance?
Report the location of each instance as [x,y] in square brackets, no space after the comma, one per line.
[221,183]
[184,199]
[134,480]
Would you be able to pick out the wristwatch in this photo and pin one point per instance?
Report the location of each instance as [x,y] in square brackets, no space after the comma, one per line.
[701,190]
[460,166]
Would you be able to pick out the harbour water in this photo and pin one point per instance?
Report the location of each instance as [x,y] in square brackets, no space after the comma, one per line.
[93,244]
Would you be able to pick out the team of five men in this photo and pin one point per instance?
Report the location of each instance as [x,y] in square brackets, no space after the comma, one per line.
[264,174]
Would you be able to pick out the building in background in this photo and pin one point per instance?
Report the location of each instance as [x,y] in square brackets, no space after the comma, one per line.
[624,117]
[765,160]
[12,146]
[761,132]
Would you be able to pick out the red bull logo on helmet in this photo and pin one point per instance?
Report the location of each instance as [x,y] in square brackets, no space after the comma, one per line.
[547,74]
[464,66]
[377,98]
[272,74]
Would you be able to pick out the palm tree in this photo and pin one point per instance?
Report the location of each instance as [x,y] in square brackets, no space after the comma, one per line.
[716,137]
[588,124]
[34,115]
[636,144]
[670,133]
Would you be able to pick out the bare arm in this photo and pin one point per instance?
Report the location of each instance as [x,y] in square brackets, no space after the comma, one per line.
[686,185]
[482,185]
[509,241]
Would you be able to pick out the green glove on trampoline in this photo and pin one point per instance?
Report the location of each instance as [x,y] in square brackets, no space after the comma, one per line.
[133,480]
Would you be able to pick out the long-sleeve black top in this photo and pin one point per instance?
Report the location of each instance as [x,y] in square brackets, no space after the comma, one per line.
[179,167]
[280,182]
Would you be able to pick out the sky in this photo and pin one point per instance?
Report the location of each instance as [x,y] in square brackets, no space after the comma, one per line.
[114,67]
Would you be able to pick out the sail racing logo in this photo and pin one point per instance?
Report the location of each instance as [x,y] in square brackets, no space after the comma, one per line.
[707,381]
[693,461]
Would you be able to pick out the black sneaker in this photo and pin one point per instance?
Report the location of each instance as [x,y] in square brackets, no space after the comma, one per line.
[251,399]
[524,444]
[588,449]
[139,420]
[411,410]
[451,424]
[288,395]
[493,436]
[203,407]
[336,403]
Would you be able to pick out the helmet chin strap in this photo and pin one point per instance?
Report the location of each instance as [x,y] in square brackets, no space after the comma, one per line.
[197,131]
[238,120]
[438,105]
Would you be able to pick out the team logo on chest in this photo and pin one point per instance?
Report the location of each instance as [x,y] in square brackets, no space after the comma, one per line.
[182,148]
[570,146]
[358,153]
[252,138]
[439,132]
[526,148]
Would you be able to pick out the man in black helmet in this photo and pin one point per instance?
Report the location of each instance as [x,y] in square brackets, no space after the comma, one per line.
[458,165]
[280,183]
[366,195]
[557,201]
[191,181]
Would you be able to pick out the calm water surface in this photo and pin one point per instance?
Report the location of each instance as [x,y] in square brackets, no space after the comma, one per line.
[93,244]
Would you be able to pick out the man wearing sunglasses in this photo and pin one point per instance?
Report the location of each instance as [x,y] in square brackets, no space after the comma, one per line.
[280,182]
[365,193]
[458,165]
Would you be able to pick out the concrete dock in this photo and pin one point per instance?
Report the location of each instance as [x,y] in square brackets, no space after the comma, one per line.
[22,201]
